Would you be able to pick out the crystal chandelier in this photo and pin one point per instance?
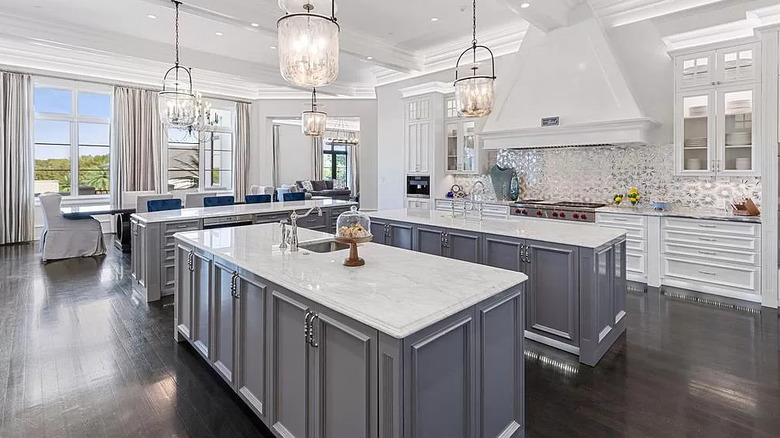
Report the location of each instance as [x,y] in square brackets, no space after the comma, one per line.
[205,118]
[176,103]
[313,122]
[475,94]
[341,135]
[309,47]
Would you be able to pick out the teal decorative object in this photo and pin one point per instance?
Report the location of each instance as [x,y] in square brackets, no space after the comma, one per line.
[514,188]
[502,181]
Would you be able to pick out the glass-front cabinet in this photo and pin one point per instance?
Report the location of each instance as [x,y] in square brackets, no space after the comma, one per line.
[461,142]
[716,112]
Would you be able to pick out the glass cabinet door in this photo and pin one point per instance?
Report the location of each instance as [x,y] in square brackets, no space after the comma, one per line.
[737,130]
[696,70]
[738,64]
[696,127]
[452,146]
[469,151]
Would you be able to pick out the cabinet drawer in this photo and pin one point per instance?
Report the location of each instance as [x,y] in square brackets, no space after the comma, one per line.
[712,227]
[712,241]
[626,220]
[729,276]
[636,245]
[495,210]
[175,227]
[631,233]
[312,221]
[169,275]
[443,204]
[636,263]
[169,255]
[716,255]
[269,218]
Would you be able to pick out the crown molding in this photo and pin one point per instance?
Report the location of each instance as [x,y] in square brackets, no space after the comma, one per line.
[734,30]
[430,87]
[616,13]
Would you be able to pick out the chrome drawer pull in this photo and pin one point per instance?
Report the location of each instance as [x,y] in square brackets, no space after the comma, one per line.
[708,253]
[707,273]
[708,226]
[705,239]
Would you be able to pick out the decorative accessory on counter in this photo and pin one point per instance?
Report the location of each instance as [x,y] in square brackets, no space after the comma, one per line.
[659,205]
[502,181]
[353,227]
[458,192]
[514,188]
[617,199]
[745,207]
[475,93]
[450,195]
[308,44]
[633,196]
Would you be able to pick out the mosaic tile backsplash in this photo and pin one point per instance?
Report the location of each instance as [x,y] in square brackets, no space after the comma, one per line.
[595,174]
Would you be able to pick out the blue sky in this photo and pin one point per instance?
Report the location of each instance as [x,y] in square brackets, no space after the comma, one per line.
[55,101]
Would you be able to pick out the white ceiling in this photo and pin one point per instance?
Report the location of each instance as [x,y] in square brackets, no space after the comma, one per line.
[117,38]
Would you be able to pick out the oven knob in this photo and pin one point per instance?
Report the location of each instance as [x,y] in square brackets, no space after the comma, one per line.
[555,214]
[525,212]
[563,214]
[517,211]
[576,216]
[538,213]
[583,217]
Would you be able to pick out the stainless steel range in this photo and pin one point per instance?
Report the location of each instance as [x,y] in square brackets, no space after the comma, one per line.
[565,210]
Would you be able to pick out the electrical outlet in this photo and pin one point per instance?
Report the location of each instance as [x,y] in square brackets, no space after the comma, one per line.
[720,203]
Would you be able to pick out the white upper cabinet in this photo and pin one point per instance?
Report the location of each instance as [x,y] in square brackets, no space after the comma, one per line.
[716,112]
[461,142]
[418,136]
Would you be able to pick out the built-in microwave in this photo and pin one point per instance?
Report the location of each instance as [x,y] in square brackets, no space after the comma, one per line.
[418,186]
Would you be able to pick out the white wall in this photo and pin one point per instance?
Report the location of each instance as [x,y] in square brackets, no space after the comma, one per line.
[295,155]
[261,150]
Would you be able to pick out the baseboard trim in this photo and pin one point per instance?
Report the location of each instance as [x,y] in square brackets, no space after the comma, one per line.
[710,299]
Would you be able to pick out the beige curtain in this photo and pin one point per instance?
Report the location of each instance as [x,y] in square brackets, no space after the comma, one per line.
[16,158]
[139,139]
[354,167]
[241,167]
[316,158]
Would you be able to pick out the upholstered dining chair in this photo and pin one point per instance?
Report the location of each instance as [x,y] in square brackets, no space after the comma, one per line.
[258,199]
[195,199]
[218,201]
[64,238]
[296,196]
[163,204]
[142,201]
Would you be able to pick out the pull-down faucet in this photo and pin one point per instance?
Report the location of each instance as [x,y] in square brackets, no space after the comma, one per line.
[294,226]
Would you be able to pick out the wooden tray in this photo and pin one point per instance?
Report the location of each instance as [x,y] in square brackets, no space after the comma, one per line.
[354,259]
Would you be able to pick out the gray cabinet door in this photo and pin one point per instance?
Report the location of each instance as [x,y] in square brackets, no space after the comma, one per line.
[553,291]
[379,231]
[142,252]
[401,236]
[201,284]
[464,245]
[502,252]
[429,240]
[183,298]
[313,221]
[290,362]
[251,342]
[605,287]
[345,379]
[620,282]
[223,323]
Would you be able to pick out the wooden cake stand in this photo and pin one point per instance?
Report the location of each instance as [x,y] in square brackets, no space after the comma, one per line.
[353,259]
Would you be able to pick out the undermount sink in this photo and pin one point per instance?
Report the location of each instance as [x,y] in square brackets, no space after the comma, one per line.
[323,247]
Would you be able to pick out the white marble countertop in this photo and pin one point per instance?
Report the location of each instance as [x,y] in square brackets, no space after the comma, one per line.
[685,212]
[545,230]
[230,210]
[397,292]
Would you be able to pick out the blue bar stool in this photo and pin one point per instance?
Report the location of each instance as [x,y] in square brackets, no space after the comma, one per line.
[218,201]
[163,204]
[258,199]
[296,196]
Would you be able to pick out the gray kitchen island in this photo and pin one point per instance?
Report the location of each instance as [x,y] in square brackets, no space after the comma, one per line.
[576,291]
[409,345]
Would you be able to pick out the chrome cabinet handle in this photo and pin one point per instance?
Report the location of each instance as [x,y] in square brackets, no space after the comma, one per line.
[234,285]
[706,239]
[708,253]
[191,261]
[306,325]
[312,341]
[708,273]
[707,226]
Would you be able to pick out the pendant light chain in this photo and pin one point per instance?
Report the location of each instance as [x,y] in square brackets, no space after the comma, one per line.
[474,24]
[176,30]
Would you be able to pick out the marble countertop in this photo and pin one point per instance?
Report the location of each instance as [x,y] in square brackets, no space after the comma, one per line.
[397,292]
[230,210]
[566,233]
[685,212]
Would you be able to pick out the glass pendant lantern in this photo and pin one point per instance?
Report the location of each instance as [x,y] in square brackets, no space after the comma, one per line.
[177,104]
[475,94]
[309,46]
[314,123]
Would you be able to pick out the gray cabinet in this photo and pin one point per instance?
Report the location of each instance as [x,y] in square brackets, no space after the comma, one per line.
[267,218]
[251,355]
[552,291]
[201,303]
[399,235]
[429,240]
[137,256]
[456,244]
[183,298]
[379,231]
[224,319]
[504,252]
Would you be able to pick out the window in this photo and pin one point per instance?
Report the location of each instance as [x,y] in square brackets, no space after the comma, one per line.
[72,120]
[202,160]
[335,164]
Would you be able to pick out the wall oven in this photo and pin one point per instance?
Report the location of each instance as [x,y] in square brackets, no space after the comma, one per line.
[418,186]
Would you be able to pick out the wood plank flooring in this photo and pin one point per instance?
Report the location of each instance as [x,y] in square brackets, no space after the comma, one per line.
[82,356]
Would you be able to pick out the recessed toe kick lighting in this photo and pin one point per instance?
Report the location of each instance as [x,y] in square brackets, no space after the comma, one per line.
[254,24]
[218,34]
[525,5]
[152,16]
[434,19]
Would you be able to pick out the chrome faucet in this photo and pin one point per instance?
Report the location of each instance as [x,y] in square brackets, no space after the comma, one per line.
[285,234]
[474,189]
[294,225]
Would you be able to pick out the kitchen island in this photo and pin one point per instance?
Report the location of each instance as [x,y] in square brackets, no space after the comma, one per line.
[395,348]
[576,292]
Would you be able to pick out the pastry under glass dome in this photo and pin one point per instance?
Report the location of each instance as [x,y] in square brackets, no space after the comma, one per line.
[353,227]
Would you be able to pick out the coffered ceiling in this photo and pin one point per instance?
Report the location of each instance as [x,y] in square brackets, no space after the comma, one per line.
[231,43]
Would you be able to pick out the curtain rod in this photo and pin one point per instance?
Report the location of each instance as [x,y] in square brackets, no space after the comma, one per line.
[38,73]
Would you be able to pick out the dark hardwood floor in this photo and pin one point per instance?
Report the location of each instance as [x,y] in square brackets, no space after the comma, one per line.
[82,356]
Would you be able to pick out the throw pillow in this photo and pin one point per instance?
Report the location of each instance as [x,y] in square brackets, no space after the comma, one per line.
[319,185]
[329,184]
[307,185]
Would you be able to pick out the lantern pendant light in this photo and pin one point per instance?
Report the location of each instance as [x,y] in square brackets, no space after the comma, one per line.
[475,94]
[177,104]
[309,47]
[313,123]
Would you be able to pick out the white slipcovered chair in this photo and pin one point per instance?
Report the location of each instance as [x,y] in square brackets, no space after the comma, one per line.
[130,198]
[67,238]
[261,190]
[141,205]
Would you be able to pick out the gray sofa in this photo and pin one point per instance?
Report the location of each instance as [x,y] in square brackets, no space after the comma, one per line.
[325,188]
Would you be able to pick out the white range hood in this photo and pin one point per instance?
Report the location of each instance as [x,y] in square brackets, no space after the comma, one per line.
[571,73]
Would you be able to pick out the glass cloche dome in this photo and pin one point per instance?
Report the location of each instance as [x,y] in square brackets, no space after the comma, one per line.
[353,224]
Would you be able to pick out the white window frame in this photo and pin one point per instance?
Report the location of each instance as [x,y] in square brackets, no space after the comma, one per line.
[76,87]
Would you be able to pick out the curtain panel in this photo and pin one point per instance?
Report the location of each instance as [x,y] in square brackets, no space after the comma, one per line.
[354,166]
[17,162]
[139,139]
[317,159]
[243,139]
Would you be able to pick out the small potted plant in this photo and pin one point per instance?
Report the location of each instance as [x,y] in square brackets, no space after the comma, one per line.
[633,196]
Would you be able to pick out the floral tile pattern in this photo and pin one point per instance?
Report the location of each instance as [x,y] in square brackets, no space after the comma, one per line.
[595,174]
